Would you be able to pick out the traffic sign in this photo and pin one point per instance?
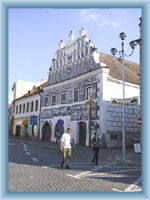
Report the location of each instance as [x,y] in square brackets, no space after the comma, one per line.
[139,121]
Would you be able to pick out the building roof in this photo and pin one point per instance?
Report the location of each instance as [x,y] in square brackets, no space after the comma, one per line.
[115,64]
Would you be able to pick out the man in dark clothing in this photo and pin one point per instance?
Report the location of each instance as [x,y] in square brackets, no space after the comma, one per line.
[95,144]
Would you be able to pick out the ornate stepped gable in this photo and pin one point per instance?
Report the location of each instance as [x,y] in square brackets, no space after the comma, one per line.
[77,57]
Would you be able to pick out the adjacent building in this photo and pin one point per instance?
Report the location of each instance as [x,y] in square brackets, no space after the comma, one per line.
[25,110]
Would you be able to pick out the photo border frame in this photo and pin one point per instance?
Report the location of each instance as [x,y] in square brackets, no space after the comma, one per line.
[4,42]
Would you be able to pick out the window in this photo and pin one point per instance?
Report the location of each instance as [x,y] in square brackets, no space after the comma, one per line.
[88,92]
[69,58]
[82,43]
[113,136]
[16,109]
[78,55]
[27,110]
[82,53]
[32,105]
[60,62]
[76,95]
[53,100]
[63,98]
[46,101]
[36,105]
[79,45]
[20,107]
[86,51]
[23,108]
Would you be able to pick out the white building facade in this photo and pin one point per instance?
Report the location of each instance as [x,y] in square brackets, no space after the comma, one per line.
[27,108]
[77,73]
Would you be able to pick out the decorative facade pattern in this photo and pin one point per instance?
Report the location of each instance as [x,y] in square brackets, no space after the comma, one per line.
[75,75]
[76,112]
[73,59]
[81,85]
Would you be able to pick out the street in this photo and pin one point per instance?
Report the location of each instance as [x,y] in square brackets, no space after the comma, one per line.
[36,168]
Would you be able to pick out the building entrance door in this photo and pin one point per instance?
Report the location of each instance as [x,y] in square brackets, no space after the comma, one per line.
[18,130]
[82,133]
[46,132]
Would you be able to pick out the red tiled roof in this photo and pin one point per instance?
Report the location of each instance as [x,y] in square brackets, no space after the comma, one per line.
[115,64]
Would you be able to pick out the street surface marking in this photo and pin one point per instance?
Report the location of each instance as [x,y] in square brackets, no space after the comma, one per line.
[116,190]
[25,149]
[35,159]
[45,167]
[138,190]
[12,187]
[120,171]
[72,176]
[132,186]
[11,144]
[28,153]
[83,174]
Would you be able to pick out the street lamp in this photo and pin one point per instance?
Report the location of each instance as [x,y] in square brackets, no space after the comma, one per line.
[122,55]
[40,90]
[90,113]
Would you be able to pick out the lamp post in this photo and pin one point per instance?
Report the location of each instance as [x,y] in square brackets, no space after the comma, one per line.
[90,112]
[40,90]
[122,56]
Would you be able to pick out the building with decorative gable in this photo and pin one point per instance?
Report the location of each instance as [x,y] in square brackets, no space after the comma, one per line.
[79,72]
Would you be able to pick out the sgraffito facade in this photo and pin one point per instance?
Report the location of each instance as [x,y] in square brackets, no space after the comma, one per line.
[77,74]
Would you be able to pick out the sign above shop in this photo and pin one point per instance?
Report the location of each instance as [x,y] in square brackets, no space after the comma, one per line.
[33,120]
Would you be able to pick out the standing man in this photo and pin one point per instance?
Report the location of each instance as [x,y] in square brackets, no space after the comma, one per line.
[66,148]
[95,144]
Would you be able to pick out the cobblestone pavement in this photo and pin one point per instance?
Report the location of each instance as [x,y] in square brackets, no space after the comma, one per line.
[35,166]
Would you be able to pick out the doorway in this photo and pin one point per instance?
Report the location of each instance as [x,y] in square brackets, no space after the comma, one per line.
[18,130]
[46,132]
[82,133]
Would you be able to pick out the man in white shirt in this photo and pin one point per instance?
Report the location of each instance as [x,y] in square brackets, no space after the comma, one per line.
[65,146]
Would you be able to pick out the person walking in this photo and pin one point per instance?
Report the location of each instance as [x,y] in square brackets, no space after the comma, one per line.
[65,146]
[95,144]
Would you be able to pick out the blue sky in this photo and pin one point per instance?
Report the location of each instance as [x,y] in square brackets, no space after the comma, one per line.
[34,35]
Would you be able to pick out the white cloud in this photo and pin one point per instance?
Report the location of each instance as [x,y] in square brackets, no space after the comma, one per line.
[92,16]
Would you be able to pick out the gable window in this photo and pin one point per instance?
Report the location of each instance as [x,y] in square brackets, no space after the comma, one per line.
[82,53]
[53,100]
[36,105]
[16,109]
[86,51]
[88,92]
[20,107]
[78,55]
[32,105]
[23,108]
[63,98]
[76,95]
[69,58]
[27,110]
[46,101]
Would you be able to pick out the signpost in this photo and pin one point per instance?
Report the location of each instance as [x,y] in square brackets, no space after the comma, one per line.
[139,121]
[137,145]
